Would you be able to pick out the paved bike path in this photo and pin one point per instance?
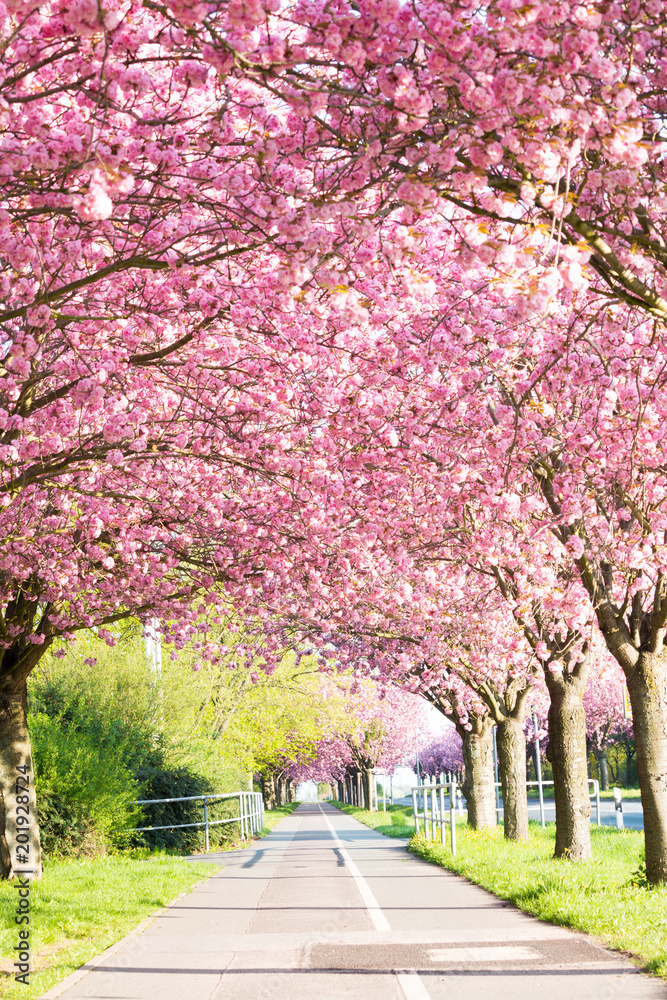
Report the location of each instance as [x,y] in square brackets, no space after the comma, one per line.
[324,907]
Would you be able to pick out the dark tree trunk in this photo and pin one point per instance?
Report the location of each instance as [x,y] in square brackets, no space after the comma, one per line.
[19,843]
[568,757]
[647,686]
[603,765]
[479,784]
[512,764]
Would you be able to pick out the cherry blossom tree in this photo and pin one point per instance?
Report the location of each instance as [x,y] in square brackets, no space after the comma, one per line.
[544,120]
[603,704]
[442,753]
[376,728]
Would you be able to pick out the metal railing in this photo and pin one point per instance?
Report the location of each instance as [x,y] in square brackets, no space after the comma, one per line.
[251,814]
[594,794]
[436,816]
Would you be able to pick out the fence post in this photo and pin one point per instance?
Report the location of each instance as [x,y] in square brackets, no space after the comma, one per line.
[495,771]
[206,844]
[452,816]
[597,801]
[442,809]
[414,811]
[434,812]
[618,804]
[538,768]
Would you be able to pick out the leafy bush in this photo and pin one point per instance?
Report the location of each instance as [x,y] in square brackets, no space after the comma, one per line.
[85,788]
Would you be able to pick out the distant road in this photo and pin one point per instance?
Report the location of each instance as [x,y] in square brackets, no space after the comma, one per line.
[633,816]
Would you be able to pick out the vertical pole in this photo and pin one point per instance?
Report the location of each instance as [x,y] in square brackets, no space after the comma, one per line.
[597,801]
[495,771]
[384,791]
[206,825]
[153,654]
[538,765]
[425,800]
[434,812]
[242,814]
[414,811]
[452,816]
[618,805]
[442,809]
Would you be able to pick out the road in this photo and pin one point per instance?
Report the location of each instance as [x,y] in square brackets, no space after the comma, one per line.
[326,908]
[633,816]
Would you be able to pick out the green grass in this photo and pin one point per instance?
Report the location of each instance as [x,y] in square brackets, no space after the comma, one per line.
[604,897]
[628,793]
[395,822]
[79,908]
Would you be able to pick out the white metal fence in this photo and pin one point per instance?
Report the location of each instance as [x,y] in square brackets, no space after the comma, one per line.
[251,814]
[435,815]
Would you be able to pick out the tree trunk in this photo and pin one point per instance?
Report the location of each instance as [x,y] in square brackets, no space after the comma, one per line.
[512,764]
[367,786]
[603,765]
[568,757]
[478,787]
[20,847]
[647,686]
[280,792]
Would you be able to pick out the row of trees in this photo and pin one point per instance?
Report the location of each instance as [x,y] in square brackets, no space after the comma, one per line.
[351,319]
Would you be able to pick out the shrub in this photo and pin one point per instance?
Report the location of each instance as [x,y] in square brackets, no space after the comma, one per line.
[84,787]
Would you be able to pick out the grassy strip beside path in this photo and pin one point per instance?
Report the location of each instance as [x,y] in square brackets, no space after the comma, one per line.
[80,908]
[606,897]
[395,822]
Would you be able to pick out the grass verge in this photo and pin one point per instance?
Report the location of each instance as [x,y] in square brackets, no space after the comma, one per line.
[81,907]
[606,897]
[395,822]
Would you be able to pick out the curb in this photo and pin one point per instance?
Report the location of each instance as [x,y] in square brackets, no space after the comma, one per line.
[96,960]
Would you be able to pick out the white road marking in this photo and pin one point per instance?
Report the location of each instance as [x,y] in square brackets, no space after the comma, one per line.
[412,986]
[499,953]
[378,919]
[410,983]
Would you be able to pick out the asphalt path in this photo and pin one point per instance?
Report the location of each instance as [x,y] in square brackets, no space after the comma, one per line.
[326,908]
